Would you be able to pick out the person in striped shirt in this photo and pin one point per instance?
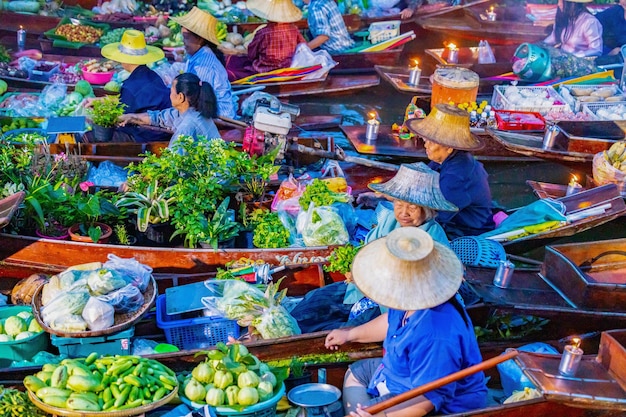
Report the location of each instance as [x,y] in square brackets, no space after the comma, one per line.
[327,27]
[200,39]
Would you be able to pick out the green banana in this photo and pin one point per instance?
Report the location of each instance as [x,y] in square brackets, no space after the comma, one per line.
[59,377]
[34,384]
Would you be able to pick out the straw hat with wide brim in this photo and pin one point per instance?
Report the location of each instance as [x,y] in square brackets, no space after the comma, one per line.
[446,125]
[280,11]
[132,49]
[201,23]
[407,270]
[416,184]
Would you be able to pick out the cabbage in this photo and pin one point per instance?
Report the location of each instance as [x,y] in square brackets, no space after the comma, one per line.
[5,338]
[24,335]
[15,325]
[74,98]
[103,281]
[1,327]
[34,327]
[26,315]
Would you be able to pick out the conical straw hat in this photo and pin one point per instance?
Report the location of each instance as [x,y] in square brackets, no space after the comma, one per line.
[416,184]
[281,11]
[407,270]
[201,23]
[446,125]
[132,49]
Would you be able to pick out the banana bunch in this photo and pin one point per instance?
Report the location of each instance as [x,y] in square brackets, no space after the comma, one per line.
[222,31]
[616,155]
[102,384]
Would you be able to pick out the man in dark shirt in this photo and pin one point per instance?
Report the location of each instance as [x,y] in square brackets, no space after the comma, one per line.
[613,22]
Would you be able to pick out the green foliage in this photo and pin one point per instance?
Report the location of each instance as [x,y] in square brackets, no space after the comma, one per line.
[151,207]
[509,327]
[340,260]
[121,234]
[106,111]
[218,228]
[14,403]
[269,230]
[255,171]
[318,192]
[297,367]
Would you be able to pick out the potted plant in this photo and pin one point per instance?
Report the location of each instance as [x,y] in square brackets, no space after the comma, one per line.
[105,113]
[255,172]
[298,374]
[150,206]
[340,262]
[87,209]
[219,229]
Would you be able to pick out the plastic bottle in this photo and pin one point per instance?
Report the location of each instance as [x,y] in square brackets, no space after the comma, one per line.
[482,123]
[473,121]
[491,120]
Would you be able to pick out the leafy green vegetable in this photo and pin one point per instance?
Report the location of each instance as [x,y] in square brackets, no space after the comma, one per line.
[269,230]
[340,260]
[14,403]
[319,193]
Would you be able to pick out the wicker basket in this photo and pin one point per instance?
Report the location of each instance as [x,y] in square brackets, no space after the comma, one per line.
[476,251]
[382,31]
[499,100]
[122,321]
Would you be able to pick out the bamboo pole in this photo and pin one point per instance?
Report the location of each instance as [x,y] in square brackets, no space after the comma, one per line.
[416,392]
[296,147]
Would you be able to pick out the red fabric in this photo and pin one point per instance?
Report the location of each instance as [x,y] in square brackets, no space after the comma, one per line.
[274,46]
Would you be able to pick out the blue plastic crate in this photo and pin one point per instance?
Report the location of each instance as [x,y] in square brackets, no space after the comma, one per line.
[194,333]
[80,347]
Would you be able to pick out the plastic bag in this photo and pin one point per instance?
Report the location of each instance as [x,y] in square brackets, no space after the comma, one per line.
[127,299]
[605,173]
[523,395]
[512,376]
[65,303]
[144,347]
[305,57]
[107,174]
[138,273]
[98,315]
[485,53]
[69,324]
[288,195]
[52,96]
[103,281]
[321,226]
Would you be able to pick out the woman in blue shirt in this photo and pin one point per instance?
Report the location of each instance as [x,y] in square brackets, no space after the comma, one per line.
[427,333]
[613,22]
[194,107]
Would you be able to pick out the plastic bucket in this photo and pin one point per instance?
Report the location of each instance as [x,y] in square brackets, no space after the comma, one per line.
[537,66]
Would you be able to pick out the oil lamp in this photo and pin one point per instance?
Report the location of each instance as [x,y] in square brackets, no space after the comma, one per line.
[491,14]
[371,132]
[21,38]
[415,73]
[570,360]
[573,187]
[453,53]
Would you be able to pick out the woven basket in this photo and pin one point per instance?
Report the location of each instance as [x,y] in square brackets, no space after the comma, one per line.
[476,251]
[122,321]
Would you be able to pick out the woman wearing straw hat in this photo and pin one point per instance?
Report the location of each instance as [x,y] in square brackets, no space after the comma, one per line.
[199,30]
[463,180]
[577,31]
[144,89]
[427,333]
[274,45]
[194,107]
[415,199]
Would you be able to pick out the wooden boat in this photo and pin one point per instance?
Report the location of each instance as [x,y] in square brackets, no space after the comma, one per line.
[330,84]
[468,58]
[398,77]
[389,143]
[365,62]
[607,196]
[8,207]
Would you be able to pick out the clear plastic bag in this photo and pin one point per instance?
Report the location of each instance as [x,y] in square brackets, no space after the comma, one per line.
[104,280]
[107,174]
[138,274]
[485,53]
[127,299]
[305,57]
[69,324]
[64,304]
[144,347]
[322,226]
[605,173]
[98,315]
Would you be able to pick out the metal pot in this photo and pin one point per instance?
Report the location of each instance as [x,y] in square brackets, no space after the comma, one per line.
[316,400]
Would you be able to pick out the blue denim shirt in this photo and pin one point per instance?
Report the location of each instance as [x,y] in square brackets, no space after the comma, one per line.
[613,27]
[433,343]
[325,19]
[209,69]
[190,123]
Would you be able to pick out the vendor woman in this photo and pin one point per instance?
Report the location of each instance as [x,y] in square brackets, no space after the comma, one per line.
[576,31]
[427,333]
[463,180]
[413,199]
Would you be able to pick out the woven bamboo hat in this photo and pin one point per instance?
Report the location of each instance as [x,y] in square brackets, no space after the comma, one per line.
[280,11]
[579,1]
[132,49]
[417,272]
[416,184]
[446,125]
[201,23]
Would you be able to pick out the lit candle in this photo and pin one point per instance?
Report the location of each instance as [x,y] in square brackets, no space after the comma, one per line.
[415,73]
[570,360]
[21,38]
[453,53]
[491,14]
[573,187]
[371,132]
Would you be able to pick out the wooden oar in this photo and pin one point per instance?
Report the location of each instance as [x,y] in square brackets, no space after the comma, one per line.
[341,156]
[451,9]
[416,392]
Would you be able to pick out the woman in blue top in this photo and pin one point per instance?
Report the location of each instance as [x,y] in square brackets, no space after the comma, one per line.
[613,22]
[199,30]
[194,107]
[427,333]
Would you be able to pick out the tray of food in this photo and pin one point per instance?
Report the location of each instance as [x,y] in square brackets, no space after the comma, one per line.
[576,95]
[519,120]
[73,33]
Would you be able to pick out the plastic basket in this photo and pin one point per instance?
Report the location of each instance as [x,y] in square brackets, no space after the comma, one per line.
[476,251]
[575,103]
[9,134]
[78,347]
[266,408]
[593,108]
[20,350]
[194,333]
[382,31]
[499,101]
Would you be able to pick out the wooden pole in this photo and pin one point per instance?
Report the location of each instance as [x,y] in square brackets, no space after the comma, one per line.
[416,392]
[296,147]
[451,9]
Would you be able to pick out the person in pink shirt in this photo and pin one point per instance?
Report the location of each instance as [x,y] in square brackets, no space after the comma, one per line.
[576,31]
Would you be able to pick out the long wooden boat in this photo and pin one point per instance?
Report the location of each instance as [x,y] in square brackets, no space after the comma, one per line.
[398,77]
[389,143]
[468,57]
[364,62]
[332,84]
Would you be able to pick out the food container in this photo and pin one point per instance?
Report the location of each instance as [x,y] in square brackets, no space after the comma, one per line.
[530,99]
[97,77]
[20,350]
[77,347]
[577,95]
[43,71]
[606,111]
[453,84]
[519,120]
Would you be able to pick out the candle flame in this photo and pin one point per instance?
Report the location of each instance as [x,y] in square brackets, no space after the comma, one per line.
[576,342]
[372,115]
[21,27]
[451,46]
[491,9]
[574,181]
[416,62]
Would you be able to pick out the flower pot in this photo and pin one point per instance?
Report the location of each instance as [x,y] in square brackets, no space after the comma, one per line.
[60,236]
[102,134]
[75,235]
[244,239]
[159,234]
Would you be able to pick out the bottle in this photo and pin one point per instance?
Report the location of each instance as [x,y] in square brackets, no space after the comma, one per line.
[491,120]
[482,123]
[488,108]
[473,121]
